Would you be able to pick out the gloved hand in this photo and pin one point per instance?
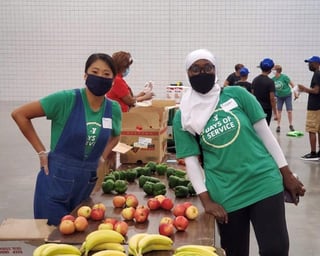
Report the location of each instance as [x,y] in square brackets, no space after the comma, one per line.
[148,87]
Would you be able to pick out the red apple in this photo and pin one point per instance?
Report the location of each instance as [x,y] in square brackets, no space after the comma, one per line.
[160,198]
[99,206]
[84,211]
[67,227]
[192,212]
[143,207]
[119,201]
[81,223]
[166,229]
[128,213]
[141,214]
[68,217]
[166,219]
[167,204]
[180,223]
[121,227]
[97,214]
[153,203]
[106,226]
[113,221]
[132,201]
[187,204]
[179,210]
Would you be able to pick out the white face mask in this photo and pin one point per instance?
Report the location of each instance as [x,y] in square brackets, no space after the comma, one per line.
[274,72]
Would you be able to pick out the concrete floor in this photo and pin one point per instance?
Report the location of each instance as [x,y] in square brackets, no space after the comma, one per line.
[19,167]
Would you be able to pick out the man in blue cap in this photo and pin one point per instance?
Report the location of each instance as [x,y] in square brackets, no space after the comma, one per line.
[244,72]
[264,89]
[313,108]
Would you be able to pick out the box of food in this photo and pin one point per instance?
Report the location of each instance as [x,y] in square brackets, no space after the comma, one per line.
[145,130]
[175,92]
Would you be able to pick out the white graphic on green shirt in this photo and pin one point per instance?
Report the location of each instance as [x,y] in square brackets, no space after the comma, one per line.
[279,85]
[93,129]
[221,130]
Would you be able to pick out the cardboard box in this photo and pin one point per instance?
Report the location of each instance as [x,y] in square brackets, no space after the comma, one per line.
[145,129]
[24,229]
[175,92]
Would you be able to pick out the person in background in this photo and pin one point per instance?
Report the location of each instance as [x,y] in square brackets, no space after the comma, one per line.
[223,123]
[283,85]
[243,82]
[85,126]
[121,91]
[235,76]
[264,89]
[313,108]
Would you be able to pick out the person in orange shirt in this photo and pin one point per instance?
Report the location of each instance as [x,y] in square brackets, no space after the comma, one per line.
[121,91]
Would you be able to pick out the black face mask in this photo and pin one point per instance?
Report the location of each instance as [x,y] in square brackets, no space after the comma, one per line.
[203,82]
[98,85]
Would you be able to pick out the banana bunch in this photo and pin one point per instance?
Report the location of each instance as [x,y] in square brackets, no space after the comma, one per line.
[141,243]
[195,250]
[104,246]
[109,253]
[53,249]
[103,240]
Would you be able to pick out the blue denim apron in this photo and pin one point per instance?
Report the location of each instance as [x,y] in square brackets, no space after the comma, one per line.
[72,177]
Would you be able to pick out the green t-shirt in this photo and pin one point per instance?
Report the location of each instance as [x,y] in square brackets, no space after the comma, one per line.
[282,84]
[58,106]
[239,170]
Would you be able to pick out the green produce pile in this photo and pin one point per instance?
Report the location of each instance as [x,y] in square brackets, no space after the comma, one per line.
[148,178]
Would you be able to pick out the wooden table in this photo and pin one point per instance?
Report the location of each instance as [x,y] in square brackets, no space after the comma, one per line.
[200,231]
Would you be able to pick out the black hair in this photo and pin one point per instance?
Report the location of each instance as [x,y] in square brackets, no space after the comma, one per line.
[101,56]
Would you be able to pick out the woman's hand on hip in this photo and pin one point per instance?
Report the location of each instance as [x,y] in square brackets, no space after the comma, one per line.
[44,162]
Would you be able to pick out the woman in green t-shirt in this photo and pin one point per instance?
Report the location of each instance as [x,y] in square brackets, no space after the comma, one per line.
[240,181]
[284,87]
[85,126]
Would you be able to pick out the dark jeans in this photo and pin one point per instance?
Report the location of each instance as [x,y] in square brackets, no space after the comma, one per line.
[269,224]
[269,114]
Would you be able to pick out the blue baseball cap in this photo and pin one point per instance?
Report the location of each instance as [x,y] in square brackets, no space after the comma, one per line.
[313,59]
[244,71]
[266,64]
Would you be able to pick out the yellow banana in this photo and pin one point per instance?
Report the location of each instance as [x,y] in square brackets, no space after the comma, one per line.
[66,254]
[150,239]
[131,252]
[102,236]
[109,246]
[109,253]
[38,251]
[192,246]
[60,249]
[83,247]
[133,242]
[108,235]
[186,253]
[156,247]
[198,249]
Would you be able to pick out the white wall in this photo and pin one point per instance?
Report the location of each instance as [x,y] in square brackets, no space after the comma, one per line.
[44,44]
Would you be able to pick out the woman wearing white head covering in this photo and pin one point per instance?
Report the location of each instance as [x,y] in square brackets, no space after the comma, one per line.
[240,181]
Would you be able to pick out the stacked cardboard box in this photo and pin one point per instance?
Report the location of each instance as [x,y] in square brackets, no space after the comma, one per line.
[145,129]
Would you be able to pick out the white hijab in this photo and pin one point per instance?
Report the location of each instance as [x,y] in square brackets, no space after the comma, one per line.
[196,108]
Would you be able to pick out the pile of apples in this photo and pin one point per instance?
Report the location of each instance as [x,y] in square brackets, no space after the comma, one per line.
[131,209]
[69,224]
[183,213]
[114,224]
